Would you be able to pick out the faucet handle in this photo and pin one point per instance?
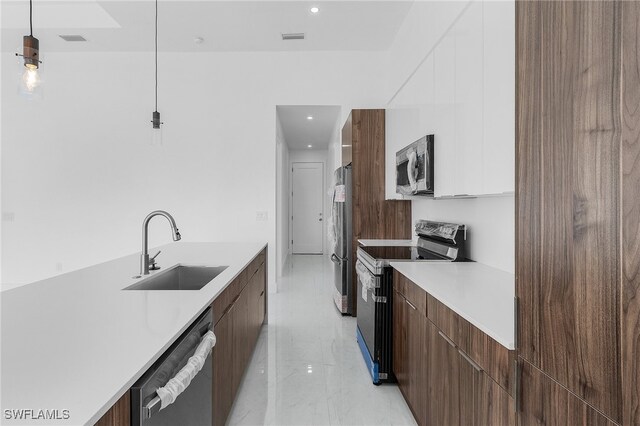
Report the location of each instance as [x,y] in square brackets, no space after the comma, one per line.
[152,262]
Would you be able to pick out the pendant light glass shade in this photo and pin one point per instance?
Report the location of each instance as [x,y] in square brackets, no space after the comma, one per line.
[30,80]
[156,129]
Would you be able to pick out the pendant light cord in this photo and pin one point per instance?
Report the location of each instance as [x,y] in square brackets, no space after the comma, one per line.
[156,55]
[31,17]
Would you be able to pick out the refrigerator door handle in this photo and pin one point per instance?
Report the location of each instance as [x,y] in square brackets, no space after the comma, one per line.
[335,259]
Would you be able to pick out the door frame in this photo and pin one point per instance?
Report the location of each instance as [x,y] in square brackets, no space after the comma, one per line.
[324,219]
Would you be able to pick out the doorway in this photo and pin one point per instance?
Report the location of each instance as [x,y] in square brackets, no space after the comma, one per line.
[304,134]
[307,184]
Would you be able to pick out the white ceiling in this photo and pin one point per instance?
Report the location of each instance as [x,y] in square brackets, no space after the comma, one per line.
[120,26]
[299,132]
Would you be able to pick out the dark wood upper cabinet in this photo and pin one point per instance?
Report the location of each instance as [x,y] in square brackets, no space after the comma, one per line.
[578,206]
[373,216]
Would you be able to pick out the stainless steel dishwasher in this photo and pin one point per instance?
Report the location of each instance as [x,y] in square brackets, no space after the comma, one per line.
[193,407]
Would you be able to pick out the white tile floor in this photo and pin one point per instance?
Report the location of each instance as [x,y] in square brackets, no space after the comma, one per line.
[307,368]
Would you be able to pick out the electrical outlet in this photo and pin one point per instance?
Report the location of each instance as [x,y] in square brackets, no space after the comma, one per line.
[59,266]
[262,216]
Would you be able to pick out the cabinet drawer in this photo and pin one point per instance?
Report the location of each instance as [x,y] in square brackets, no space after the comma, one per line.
[254,265]
[399,282]
[451,324]
[222,302]
[413,294]
[496,360]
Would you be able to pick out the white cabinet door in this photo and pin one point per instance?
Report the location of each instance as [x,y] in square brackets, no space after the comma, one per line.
[409,118]
[469,99]
[445,179]
[499,97]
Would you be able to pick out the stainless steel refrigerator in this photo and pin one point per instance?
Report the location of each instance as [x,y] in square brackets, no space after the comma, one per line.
[342,233]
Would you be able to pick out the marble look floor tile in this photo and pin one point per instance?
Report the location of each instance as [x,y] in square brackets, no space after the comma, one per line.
[307,368]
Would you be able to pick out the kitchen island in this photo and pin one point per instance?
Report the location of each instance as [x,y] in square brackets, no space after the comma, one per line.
[76,342]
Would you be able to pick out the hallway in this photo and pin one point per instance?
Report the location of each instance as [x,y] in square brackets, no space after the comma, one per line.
[307,367]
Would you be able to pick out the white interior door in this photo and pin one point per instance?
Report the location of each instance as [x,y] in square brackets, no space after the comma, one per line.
[306,208]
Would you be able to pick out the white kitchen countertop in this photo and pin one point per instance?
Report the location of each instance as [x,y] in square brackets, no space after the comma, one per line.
[482,295]
[77,342]
[387,243]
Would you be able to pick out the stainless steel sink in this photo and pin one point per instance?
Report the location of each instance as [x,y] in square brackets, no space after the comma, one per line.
[180,277]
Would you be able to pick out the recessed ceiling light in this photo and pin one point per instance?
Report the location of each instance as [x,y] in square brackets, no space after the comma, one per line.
[309,117]
[314,9]
[309,146]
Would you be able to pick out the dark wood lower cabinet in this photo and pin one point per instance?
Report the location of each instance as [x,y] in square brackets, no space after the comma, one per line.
[237,331]
[441,382]
[399,343]
[222,359]
[443,400]
[119,414]
[416,360]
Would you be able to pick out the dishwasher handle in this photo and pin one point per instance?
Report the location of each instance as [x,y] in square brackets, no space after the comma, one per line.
[179,383]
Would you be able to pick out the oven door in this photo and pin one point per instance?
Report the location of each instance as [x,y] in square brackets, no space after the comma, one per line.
[368,286]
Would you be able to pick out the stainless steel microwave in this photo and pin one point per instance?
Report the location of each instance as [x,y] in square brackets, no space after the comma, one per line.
[414,168]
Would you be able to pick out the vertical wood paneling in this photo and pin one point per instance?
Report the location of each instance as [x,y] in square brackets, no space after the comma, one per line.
[545,402]
[528,174]
[568,141]
[630,211]
[373,216]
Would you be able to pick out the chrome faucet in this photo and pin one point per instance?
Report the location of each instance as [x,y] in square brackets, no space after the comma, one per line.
[144,257]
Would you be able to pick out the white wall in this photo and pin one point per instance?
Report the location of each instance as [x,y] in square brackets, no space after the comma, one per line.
[282,198]
[452,74]
[314,156]
[81,179]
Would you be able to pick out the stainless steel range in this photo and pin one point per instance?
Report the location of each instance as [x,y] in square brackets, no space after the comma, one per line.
[437,242]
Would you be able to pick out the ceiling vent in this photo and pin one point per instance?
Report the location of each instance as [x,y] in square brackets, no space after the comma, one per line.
[293,36]
[73,37]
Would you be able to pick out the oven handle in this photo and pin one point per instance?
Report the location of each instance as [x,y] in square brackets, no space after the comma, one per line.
[367,279]
[180,382]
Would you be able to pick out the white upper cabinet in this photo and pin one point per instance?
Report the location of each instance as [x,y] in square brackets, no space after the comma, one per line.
[468,73]
[499,97]
[442,123]
[464,94]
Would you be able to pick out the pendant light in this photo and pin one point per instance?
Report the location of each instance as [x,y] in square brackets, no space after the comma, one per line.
[30,82]
[156,129]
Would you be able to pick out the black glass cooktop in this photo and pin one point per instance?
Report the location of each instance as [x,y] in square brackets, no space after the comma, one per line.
[392,253]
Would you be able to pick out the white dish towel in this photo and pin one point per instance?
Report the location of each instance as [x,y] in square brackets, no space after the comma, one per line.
[174,387]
